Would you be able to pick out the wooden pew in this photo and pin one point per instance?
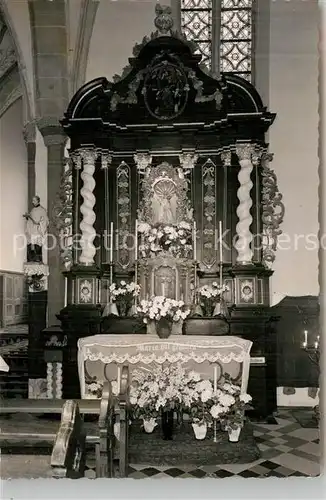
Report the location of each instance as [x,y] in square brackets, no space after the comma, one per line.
[69,451]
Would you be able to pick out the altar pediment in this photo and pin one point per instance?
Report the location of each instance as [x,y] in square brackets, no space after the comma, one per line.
[164,84]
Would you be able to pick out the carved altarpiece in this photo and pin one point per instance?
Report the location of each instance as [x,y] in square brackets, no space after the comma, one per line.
[168,131]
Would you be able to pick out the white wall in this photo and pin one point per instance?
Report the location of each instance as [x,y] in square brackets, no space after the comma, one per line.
[118,27]
[13,188]
[293,95]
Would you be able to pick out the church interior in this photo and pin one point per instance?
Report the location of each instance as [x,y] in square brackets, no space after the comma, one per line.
[159,294]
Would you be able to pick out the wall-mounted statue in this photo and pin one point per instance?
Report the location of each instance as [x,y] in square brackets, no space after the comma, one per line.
[36,229]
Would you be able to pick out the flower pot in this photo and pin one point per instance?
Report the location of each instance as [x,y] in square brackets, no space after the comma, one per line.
[234,434]
[167,424]
[200,429]
[149,425]
[163,328]
[123,308]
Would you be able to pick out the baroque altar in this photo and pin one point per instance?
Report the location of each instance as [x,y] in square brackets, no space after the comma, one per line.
[167,147]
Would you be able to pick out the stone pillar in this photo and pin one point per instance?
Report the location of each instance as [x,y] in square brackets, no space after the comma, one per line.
[245,202]
[54,140]
[29,133]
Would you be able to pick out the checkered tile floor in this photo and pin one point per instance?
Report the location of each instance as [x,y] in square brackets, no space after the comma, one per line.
[287,450]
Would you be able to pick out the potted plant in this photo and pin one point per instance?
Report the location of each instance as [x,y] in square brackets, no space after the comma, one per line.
[235,405]
[209,296]
[156,392]
[163,311]
[123,294]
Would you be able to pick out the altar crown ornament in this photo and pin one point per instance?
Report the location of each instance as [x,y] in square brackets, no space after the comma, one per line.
[163,20]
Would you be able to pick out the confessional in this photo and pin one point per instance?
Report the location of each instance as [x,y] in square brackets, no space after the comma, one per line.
[166,142]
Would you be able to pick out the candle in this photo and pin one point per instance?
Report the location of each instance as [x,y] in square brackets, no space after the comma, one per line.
[136,240]
[220,232]
[119,379]
[215,379]
[316,344]
[305,343]
[111,242]
[195,241]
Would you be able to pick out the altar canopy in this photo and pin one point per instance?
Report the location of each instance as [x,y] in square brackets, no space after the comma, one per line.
[100,355]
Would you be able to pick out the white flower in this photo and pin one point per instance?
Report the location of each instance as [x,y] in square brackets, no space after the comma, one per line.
[206,395]
[245,398]
[217,410]
[133,400]
[230,388]
[226,400]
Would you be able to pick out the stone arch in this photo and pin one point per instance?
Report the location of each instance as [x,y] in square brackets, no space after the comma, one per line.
[16,83]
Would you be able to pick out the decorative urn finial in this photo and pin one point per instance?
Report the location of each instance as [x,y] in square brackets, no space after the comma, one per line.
[163,20]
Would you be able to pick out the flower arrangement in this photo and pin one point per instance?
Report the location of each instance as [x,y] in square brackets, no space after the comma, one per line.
[161,312]
[123,294]
[233,406]
[159,307]
[155,390]
[209,295]
[159,238]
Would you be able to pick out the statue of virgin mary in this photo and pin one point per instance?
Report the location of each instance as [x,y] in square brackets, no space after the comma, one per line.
[164,202]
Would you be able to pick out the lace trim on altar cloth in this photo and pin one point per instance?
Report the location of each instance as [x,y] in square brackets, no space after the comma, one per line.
[182,357]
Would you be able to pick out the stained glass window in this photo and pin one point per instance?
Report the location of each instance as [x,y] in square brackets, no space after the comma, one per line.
[196,24]
[234,36]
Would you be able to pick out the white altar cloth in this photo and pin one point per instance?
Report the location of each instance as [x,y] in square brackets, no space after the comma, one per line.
[3,365]
[148,349]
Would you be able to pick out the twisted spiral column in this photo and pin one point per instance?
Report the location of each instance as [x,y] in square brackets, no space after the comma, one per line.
[245,202]
[88,232]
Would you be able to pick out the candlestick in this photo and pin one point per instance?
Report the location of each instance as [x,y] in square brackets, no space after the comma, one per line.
[304,345]
[215,379]
[195,241]
[119,379]
[220,233]
[111,242]
[316,344]
[136,240]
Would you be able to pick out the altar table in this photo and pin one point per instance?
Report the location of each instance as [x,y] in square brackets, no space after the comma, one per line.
[113,351]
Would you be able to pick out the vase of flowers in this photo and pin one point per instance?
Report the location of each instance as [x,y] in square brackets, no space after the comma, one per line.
[235,404]
[161,238]
[124,294]
[209,296]
[163,311]
[157,392]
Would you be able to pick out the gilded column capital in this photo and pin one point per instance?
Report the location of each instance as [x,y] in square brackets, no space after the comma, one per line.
[188,160]
[88,155]
[226,157]
[106,158]
[244,151]
[76,159]
[143,161]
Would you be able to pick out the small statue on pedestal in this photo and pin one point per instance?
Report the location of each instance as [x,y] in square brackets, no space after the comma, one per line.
[36,229]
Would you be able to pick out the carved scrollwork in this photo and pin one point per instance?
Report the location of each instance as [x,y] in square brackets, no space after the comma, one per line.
[273,209]
[209,214]
[200,97]
[131,97]
[123,214]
